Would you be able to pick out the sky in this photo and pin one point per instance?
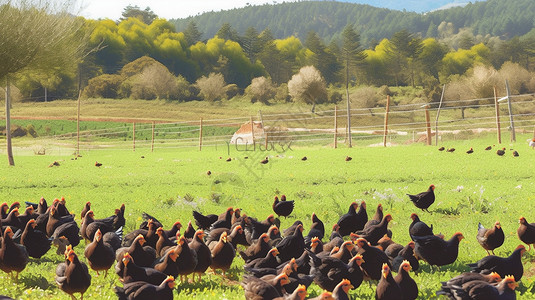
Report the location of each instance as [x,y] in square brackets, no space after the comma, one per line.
[167,9]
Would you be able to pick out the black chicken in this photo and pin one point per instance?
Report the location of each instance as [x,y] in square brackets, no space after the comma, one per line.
[424,199]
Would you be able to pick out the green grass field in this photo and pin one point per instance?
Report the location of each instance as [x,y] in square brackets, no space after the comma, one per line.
[169,184]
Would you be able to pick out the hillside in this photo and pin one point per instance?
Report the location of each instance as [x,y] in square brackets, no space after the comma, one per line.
[328,18]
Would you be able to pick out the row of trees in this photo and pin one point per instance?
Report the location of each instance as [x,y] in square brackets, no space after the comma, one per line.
[405,59]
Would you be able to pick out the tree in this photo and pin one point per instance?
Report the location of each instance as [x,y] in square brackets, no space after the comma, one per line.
[321,57]
[226,32]
[261,89]
[192,34]
[58,40]
[250,43]
[146,16]
[351,54]
[212,88]
[405,47]
[308,86]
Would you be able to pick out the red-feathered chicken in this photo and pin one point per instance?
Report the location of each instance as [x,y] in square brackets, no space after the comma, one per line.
[256,250]
[167,264]
[424,199]
[490,238]
[72,276]
[223,253]
[408,286]
[144,256]
[448,287]
[35,241]
[99,255]
[128,271]
[204,256]
[483,290]
[143,290]
[388,288]
[375,232]
[13,257]
[341,291]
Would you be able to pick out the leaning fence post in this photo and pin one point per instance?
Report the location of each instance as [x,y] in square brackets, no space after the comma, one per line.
[497,109]
[427,125]
[152,139]
[438,114]
[134,136]
[513,133]
[386,119]
[252,133]
[200,134]
[335,126]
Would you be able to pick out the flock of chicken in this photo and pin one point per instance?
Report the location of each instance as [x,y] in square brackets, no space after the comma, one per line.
[499,152]
[279,264]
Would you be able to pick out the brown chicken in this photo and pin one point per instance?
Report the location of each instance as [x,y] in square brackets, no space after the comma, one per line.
[187,259]
[511,265]
[167,264]
[13,257]
[448,287]
[490,239]
[256,250]
[204,256]
[35,241]
[375,232]
[436,251]
[256,288]
[143,290]
[128,271]
[341,291]
[72,276]
[526,232]
[424,199]
[144,256]
[99,255]
[406,283]
[388,288]
[282,208]
[373,257]
[223,253]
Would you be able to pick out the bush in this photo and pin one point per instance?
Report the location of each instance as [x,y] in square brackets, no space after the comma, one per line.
[103,86]
[261,89]
[308,86]
[211,88]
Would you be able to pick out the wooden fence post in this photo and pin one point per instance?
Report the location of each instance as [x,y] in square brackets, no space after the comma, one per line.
[152,139]
[78,124]
[134,136]
[335,126]
[497,109]
[427,125]
[386,119]
[512,123]
[438,114]
[200,134]
[252,133]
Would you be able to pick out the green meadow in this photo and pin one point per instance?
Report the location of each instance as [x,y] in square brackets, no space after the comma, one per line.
[170,183]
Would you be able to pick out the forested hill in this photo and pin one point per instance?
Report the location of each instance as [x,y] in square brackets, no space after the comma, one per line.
[503,18]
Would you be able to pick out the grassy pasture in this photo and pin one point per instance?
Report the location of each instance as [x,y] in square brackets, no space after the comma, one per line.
[168,184]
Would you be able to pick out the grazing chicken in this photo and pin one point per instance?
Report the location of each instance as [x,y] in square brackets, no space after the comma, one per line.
[515,153]
[223,254]
[511,265]
[406,254]
[292,246]
[35,241]
[349,221]
[269,261]
[143,290]
[375,232]
[470,151]
[388,288]
[256,288]
[441,148]
[256,250]
[97,164]
[501,152]
[187,259]
[204,222]
[290,230]
[304,158]
[348,158]
[72,276]
[408,286]
[328,271]
[451,150]
[13,257]
[418,227]
[224,220]
[208,173]
[478,289]
[436,251]
[144,256]
[377,217]
[490,238]
[204,256]
[345,252]
[149,235]
[167,264]
[449,286]
[128,271]
[526,232]
[424,199]
[283,208]
[373,257]
[163,244]
[264,161]
[99,255]
[341,291]
[317,230]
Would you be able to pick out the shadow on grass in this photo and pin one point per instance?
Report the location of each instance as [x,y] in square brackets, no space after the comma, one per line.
[33,281]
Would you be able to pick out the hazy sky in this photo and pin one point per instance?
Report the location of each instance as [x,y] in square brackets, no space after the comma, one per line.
[168,9]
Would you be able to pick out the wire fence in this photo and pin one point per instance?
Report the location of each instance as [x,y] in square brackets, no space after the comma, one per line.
[407,123]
